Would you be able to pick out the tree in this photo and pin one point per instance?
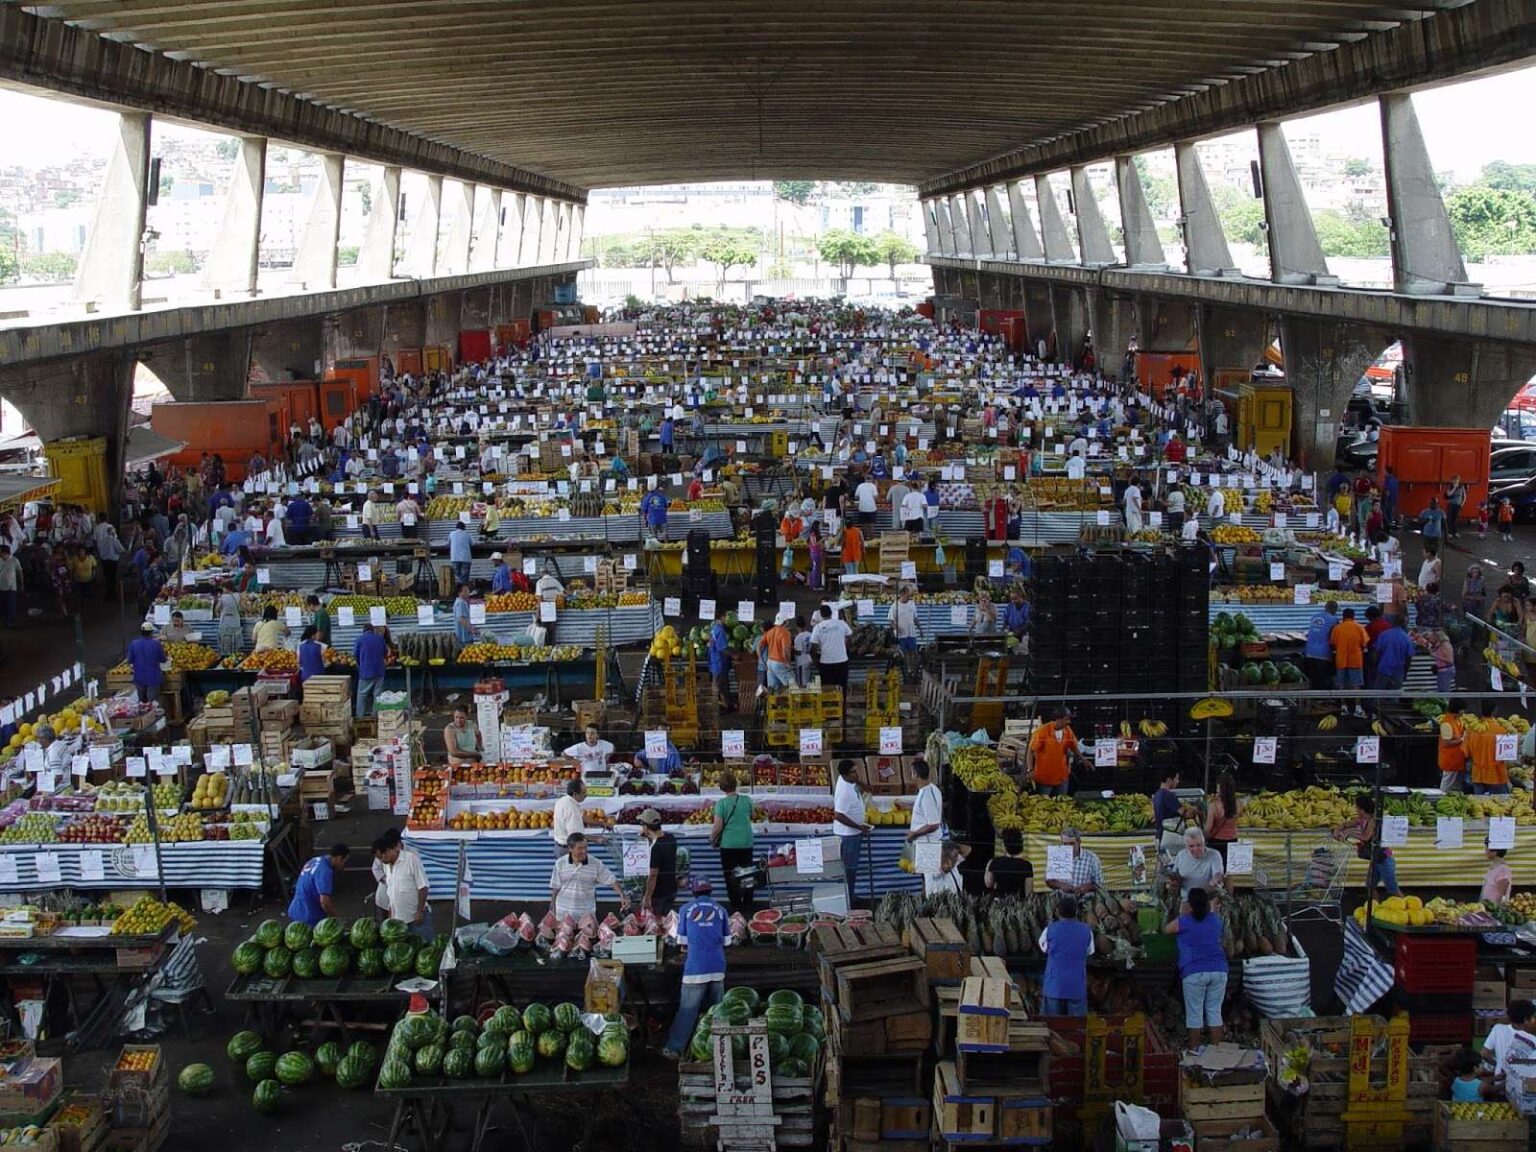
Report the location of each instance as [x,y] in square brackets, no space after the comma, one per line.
[49,267]
[1509,177]
[848,251]
[668,249]
[725,252]
[8,266]
[227,148]
[1341,234]
[1354,167]
[794,191]
[1240,215]
[1493,221]
[1159,191]
[365,194]
[346,255]
[894,249]
[175,263]
[852,188]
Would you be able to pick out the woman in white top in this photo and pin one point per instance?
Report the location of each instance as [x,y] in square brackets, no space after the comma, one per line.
[1133,519]
[275,535]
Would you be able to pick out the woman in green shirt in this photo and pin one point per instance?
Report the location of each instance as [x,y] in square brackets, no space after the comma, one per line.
[731,833]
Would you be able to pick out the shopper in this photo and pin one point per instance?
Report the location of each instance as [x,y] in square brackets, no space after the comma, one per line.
[851,551]
[568,820]
[464,630]
[230,635]
[1455,498]
[1499,879]
[850,823]
[405,883]
[1432,523]
[1196,866]
[1169,815]
[776,654]
[1361,831]
[1444,655]
[1474,593]
[829,639]
[1467,1082]
[1489,775]
[1010,874]
[1067,943]
[731,834]
[1202,967]
[1348,640]
[271,632]
[1453,749]
[460,552]
[907,626]
[371,652]
[1317,656]
[320,618]
[661,876]
[574,879]
[1221,813]
[1051,748]
[312,894]
[146,655]
[1513,1039]
[927,808]
[702,929]
[311,654]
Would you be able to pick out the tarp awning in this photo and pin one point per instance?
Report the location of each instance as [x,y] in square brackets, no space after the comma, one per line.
[16,490]
[145,444]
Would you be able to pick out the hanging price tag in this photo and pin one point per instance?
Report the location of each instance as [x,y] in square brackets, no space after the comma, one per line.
[1240,858]
[994,569]
[1264,749]
[1506,748]
[1394,831]
[637,858]
[1448,832]
[1301,594]
[672,606]
[346,617]
[1058,863]
[746,611]
[808,857]
[547,612]
[1368,750]
[890,741]
[810,742]
[137,767]
[1501,832]
[1277,571]
[655,744]
[733,743]
[706,609]
[1105,753]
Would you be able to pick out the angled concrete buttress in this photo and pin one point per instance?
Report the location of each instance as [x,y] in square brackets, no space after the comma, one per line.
[421,247]
[1205,244]
[111,272]
[1462,383]
[965,238]
[210,366]
[1053,229]
[1426,259]
[1143,249]
[1002,238]
[982,225]
[578,230]
[510,242]
[1092,236]
[1113,320]
[314,265]
[533,219]
[947,234]
[1295,256]
[487,237]
[1069,309]
[549,229]
[1323,361]
[460,204]
[1026,241]
[931,228]
[232,265]
[376,258]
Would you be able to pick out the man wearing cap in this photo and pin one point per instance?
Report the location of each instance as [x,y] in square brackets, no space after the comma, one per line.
[661,881]
[501,574]
[1050,748]
[146,654]
[703,927]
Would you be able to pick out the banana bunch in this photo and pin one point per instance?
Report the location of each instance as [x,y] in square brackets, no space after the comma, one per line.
[1492,657]
[1328,723]
[1152,728]
[1379,728]
[1313,807]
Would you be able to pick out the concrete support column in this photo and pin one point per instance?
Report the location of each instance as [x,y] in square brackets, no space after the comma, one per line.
[443,319]
[1053,229]
[566,237]
[1205,244]
[989,291]
[1069,307]
[359,333]
[983,227]
[578,229]
[1167,325]
[533,216]
[1323,360]
[293,350]
[314,265]
[1026,241]
[475,308]
[1002,235]
[210,366]
[1092,235]
[487,234]
[931,228]
[421,250]
[947,236]
[1295,256]
[1426,258]
[965,239]
[1143,248]
[1462,383]
[549,230]
[1232,342]
[460,202]
[232,265]
[510,238]
[376,258]
[1039,312]
[111,272]
[1114,321]
[82,396]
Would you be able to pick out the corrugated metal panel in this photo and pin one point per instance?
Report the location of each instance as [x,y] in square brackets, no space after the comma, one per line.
[214,864]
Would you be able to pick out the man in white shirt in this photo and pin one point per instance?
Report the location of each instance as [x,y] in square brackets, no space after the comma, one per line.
[1514,1036]
[568,819]
[405,881]
[829,640]
[928,808]
[849,822]
[914,508]
[592,753]
[1077,467]
[868,496]
[897,493]
[574,879]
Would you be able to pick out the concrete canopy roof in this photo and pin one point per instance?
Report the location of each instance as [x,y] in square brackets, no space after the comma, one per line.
[599,93]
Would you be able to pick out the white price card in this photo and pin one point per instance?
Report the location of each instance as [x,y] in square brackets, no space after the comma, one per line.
[7,870]
[733,743]
[1496,679]
[1448,832]
[1058,862]
[909,569]
[346,617]
[631,562]
[80,765]
[1190,530]
[1507,748]
[655,744]
[1277,570]
[93,864]
[243,756]
[959,615]
[810,741]
[320,811]
[1301,594]
[672,606]
[1383,593]
[424,614]
[1335,571]
[1102,518]
[1155,519]
[1105,753]
[1264,749]
[808,860]
[47,865]
[1313,520]
[216,759]
[1240,858]
[165,765]
[1279,519]
[47,781]
[136,767]
[263,576]
[547,613]
[890,741]
[927,857]
[100,758]
[188,580]
[994,569]
[786,611]
[1394,831]
[1501,832]
[144,861]
[637,858]
[865,609]
[1368,750]
[706,609]
[293,616]
[162,613]
[746,611]
[378,615]
[477,613]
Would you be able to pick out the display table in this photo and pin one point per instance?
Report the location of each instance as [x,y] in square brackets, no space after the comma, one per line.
[337,1003]
[196,864]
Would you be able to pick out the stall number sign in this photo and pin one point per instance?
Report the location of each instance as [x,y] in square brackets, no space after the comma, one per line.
[1264,750]
[810,742]
[1368,750]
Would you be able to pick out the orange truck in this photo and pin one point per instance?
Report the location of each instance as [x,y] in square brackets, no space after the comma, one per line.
[233,429]
[1427,459]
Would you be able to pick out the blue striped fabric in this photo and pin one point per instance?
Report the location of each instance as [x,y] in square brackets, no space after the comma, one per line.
[1363,978]
[209,864]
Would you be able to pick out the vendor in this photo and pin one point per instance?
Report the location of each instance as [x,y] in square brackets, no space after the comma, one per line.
[1203,966]
[1498,880]
[549,586]
[147,655]
[312,900]
[176,632]
[1362,831]
[461,739]
[1087,871]
[464,630]
[501,573]
[670,764]
[591,753]
[1051,747]
[405,883]
[271,632]
[568,820]
[1197,866]
[319,617]
[703,928]
[1010,874]
[573,882]
[661,878]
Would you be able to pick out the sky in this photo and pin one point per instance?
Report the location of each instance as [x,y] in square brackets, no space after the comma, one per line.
[1465,126]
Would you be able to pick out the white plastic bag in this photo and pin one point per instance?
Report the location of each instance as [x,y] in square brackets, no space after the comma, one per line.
[1134,1122]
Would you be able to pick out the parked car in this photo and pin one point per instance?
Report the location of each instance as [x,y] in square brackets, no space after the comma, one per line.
[1512,474]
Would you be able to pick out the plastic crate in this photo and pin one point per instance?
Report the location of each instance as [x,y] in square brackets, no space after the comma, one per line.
[1428,1028]
[1435,963]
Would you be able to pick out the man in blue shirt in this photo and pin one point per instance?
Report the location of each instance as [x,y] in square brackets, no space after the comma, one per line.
[671,763]
[703,927]
[654,508]
[370,652]
[235,541]
[501,574]
[311,654]
[1317,656]
[1016,615]
[1067,944]
[146,654]
[720,660]
[666,435]
[1389,498]
[1394,649]
[463,630]
[459,555]
[312,901]
[300,512]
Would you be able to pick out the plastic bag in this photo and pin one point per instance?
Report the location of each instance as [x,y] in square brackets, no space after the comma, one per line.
[1134,1122]
[501,939]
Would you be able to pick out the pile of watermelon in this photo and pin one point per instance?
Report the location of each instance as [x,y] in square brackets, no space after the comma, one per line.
[796,1031]
[427,1047]
[272,1073]
[773,927]
[331,950]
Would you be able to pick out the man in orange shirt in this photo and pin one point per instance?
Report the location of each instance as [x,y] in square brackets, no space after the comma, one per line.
[1453,749]
[853,549]
[1049,749]
[1349,643]
[777,652]
[1490,775]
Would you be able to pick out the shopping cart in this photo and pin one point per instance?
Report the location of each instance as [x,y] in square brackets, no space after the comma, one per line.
[1305,880]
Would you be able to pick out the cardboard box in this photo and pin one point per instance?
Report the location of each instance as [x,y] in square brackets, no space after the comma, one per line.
[311,753]
[637,949]
[31,1085]
[883,775]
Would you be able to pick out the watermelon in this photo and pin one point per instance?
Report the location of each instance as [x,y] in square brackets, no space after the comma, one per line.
[778,1048]
[805,1049]
[787,997]
[268,1095]
[352,1072]
[329,931]
[428,961]
[363,934]
[429,1060]
[327,1056]
[334,960]
[394,1075]
[269,934]
[551,1044]
[738,1047]
[702,1047]
[277,963]
[364,1051]
[580,1052]
[537,1018]
[507,1020]
[261,1066]
[748,995]
[247,958]
[294,1068]
[415,1031]
[783,1019]
[567,1017]
[297,935]
[489,1061]
[792,1068]
[520,1052]
[306,963]
[465,1024]
[242,1046]
[195,1079]
[399,958]
[393,931]
[370,962]
[462,1042]
[458,1064]
[612,1050]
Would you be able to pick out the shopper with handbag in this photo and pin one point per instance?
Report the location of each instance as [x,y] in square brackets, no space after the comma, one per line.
[731,834]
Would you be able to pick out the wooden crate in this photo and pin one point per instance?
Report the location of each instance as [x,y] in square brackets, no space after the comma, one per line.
[982,1015]
[870,1118]
[883,988]
[1024,1119]
[1452,1135]
[1216,1135]
[1017,1073]
[958,1115]
[943,949]
[836,946]
[327,689]
[1199,1101]
[910,1032]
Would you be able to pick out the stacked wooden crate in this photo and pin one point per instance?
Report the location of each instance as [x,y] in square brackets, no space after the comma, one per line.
[993,1093]
[327,709]
[1224,1100]
[277,720]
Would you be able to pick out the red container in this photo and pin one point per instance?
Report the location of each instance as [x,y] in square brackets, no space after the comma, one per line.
[1428,1029]
[474,345]
[1427,458]
[1435,963]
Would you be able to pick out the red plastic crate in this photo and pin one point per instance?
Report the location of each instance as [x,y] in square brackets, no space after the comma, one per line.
[1435,963]
[1436,1029]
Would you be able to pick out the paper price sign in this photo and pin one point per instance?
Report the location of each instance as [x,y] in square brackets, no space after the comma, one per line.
[733,743]
[927,857]
[706,609]
[1507,748]
[1105,754]
[810,741]
[137,767]
[909,569]
[1279,519]
[162,613]
[1394,831]
[93,864]
[7,871]
[1368,750]
[890,741]
[1335,572]
[746,611]
[378,615]
[1383,593]
[994,569]
[188,580]
[1191,529]
[1277,570]
[1501,832]
[1240,858]
[243,756]
[1496,679]
[99,759]
[423,613]
[80,765]
[546,611]
[808,858]
[1264,749]
[655,744]
[672,606]
[293,617]
[637,858]
[1313,520]
[1301,594]
[1448,831]
[786,611]
[47,865]
[1058,862]
[959,615]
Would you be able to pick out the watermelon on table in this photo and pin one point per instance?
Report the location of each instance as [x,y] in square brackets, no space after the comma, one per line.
[463,1041]
[327,1056]
[785,996]
[538,1019]
[399,958]
[520,1052]
[465,1024]
[195,1079]
[269,934]
[613,1050]
[278,962]
[428,961]
[746,994]
[567,1016]
[363,934]
[784,1019]
[429,1060]
[294,1068]
[416,1031]
[352,1072]
[247,958]
[394,931]
[267,1096]
[364,1051]
[335,959]
[551,1045]
[297,935]
[580,1052]
[458,1064]
[261,1066]
[370,962]
[394,1075]
[329,931]
[242,1046]
[489,1061]
[306,963]
[507,1020]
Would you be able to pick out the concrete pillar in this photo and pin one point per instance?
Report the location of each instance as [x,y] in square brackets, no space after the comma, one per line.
[111,272]
[1092,235]
[931,228]
[232,264]
[376,258]
[209,366]
[356,333]
[578,229]
[1205,244]
[1426,258]
[1143,248]
[1069,307]
[1323,361]
[1295,256]
[510,238]
[549,230]
[1232,342]
[460,200]
[1053,229]
[965,239]
[1002,235]
[1167,325]
[565,245]
[421,249]
[314,265]
[84,396]
[1026,241]
[1039,312]
[948,240]
[292,350]
[403,325]
[533,216]
[983,227]
[444,318]
[487,230]
[1462,383]
[1113,321]
[989,291]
